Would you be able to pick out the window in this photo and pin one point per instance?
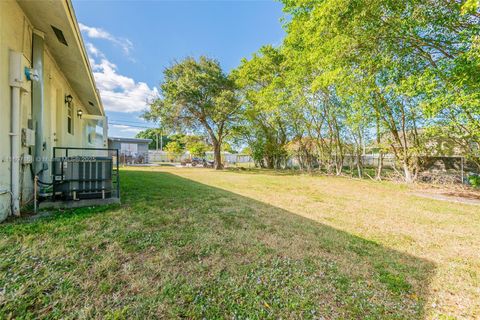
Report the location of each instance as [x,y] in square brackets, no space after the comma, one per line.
[94,131]
[70,117]
[90,130]
[99,133]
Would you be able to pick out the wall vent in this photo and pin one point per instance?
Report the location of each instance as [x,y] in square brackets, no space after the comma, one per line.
[60,35]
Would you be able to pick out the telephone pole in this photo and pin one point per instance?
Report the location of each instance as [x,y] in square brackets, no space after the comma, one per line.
[161,141]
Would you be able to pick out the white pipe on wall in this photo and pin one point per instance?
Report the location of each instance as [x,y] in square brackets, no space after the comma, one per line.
[16,82]
[15,150]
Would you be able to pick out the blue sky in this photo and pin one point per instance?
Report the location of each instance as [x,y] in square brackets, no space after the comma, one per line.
[130,43]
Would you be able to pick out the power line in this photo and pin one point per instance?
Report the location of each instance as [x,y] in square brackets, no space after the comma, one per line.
[128,121]
[130,125]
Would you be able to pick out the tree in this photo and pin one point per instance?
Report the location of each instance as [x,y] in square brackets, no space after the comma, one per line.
[228,147]
[197,149]
[180,138]
[195,145]
[155,135]
[403,62]
[174,149]
[197,96]
[266,101]
[246,151]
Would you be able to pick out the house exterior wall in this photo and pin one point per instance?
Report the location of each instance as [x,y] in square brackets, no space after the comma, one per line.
[16,33]
[142,148]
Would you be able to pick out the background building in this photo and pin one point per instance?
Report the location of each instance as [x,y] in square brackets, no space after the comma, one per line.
[131,150]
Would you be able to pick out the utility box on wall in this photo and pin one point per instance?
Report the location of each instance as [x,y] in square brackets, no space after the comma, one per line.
[27,159]
[28,137]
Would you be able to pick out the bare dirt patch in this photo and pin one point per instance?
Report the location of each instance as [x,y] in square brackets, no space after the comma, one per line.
[459,194]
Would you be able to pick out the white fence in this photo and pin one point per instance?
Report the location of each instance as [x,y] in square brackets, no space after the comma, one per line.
[228,158]
[371,160]
[162,156]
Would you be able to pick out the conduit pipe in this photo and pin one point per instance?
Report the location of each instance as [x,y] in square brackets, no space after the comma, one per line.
[16,82]
[38,107]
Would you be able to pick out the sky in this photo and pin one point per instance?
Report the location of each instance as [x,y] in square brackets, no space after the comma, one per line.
[130,44]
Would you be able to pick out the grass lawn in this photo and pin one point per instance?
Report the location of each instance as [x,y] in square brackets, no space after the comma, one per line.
[196,243]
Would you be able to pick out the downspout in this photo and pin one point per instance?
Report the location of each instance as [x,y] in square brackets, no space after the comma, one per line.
[16,82]
[38,107]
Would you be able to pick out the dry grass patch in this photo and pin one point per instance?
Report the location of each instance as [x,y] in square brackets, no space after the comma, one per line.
[198,243]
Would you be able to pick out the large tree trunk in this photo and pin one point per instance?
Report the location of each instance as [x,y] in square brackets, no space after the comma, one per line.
[380,166]
[407,172]
[359,165]
[217,145]
[217,155]
[270,159]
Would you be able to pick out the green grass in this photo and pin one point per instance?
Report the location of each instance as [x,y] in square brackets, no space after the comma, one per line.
[197,243]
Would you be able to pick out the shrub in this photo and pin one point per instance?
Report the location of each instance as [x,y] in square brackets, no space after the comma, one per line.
[474,180]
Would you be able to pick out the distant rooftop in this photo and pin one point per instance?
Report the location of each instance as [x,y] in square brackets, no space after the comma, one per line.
[130,140]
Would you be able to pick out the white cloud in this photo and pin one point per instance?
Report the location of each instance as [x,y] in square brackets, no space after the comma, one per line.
[92,50]
[98,33]
[125,128]
[119,93]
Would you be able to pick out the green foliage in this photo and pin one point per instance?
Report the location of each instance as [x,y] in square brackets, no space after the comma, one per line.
[154,135]
[180,138]
[196,96]
[470,6]
[197,149]
[474,180]
[247,151]
[174,149]
[196,145]
[267,103]
[354,73]
[226,146]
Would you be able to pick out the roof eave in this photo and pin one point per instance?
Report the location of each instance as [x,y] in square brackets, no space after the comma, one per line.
[76,27]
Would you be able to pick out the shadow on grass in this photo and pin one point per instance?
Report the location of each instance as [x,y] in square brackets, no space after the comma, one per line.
[47,220]
[204,252]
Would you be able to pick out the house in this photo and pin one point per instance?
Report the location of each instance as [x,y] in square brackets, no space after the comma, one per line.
[48,96]
[131,150]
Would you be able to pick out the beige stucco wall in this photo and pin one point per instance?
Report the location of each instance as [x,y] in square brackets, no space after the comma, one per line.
[16,34]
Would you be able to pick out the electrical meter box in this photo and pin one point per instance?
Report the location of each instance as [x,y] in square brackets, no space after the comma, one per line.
[27,159]
[28,137]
